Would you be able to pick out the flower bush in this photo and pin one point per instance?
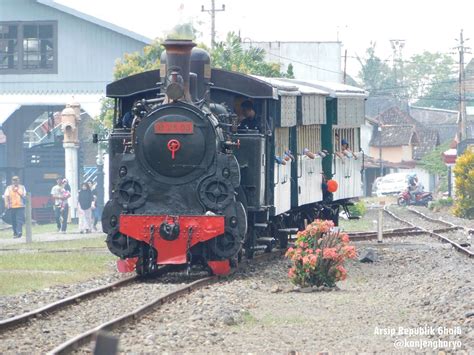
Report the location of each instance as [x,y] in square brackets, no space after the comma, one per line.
[464,181]
[319,254]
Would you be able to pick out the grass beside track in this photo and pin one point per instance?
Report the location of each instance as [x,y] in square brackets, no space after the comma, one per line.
[36,229]
[356,225]
[22,272]
[78,244]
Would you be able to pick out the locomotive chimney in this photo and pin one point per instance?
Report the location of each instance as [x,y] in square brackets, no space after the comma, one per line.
[177,67]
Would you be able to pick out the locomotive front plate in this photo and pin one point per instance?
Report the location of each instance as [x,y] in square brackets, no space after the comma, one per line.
[182,127]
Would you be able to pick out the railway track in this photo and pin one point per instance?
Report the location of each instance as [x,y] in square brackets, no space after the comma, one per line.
[418,223]
[68,324]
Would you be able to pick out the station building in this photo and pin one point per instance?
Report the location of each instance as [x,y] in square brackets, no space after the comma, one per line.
[52,55]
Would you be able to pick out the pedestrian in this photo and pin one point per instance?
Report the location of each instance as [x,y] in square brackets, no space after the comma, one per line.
[61,206]
[96,210]
[85,200]
[66,185]
[14,198]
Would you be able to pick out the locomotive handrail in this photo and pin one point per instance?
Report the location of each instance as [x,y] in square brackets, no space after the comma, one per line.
[278,175]
[300,176]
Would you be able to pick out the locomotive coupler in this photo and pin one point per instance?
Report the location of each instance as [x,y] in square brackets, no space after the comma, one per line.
[169,231]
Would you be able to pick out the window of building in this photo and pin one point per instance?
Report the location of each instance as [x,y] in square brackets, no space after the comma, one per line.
[28,47]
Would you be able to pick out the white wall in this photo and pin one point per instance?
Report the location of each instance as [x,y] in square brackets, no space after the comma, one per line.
[86,52]
[310,60]
[366,131]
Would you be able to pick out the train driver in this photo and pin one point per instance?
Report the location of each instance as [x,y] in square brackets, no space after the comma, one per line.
[251,120]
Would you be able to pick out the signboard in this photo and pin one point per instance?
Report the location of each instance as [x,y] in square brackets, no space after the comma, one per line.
[174,127]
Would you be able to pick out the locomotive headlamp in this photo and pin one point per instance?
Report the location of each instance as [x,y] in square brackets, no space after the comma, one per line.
[175,91]
[175,88]
[123,171]
[113,221]
[225,173]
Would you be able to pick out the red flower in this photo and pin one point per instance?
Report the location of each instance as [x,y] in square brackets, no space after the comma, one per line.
[330,253]
[349,251]
[345,238]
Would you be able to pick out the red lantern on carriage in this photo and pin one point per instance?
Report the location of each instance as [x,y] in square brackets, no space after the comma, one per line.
[332,185]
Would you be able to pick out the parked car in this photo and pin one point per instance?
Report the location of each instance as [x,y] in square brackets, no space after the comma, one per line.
[392,184]
[375,185]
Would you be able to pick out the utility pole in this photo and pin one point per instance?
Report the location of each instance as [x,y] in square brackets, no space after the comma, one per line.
[212,11]
[462,131]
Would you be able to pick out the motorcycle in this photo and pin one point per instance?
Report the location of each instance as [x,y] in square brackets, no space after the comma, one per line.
[421,198]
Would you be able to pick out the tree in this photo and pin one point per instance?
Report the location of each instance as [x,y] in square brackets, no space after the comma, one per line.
[426,79]
[289,71]
[377,77]
[230,55]
[434,164]
[464,178]
[134,63]
[431,78]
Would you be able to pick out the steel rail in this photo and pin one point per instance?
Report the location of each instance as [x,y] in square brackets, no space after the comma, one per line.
[386,234]
[422,215]
[456,246]
[435,233]
[74,299]
[55,306]
[81,339]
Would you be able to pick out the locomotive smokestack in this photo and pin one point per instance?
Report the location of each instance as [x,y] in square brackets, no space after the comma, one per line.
[177,68]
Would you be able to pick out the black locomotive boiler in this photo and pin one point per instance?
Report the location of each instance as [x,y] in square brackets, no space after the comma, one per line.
[189,187]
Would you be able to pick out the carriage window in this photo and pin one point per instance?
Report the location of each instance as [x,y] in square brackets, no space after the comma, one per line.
[28,47]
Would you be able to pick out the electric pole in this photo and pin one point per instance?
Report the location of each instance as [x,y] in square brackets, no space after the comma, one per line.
[212,11]
[462,131]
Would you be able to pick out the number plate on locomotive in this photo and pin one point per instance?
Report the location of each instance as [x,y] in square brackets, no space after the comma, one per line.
[174,128]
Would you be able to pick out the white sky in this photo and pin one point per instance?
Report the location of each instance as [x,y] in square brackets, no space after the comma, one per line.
[423,24]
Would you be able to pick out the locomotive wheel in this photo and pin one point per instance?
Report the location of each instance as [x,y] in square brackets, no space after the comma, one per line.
[226,246]
[131,193]
[121,245]
[216,194]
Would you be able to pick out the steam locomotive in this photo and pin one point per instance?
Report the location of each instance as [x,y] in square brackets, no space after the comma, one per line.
[187,186]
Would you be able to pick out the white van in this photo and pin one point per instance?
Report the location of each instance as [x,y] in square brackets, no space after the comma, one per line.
[392,184]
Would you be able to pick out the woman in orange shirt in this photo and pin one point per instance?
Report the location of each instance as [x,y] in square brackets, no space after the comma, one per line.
[14,198]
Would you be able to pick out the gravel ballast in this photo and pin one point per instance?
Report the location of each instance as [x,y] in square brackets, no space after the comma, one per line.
[417,283]
[48,331]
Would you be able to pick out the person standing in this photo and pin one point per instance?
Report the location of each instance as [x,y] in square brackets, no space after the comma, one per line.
[85,200]
[61,207]
[96,212]
[14,198]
